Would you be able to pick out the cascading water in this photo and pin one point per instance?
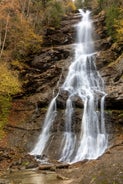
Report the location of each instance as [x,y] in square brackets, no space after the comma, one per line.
[83,81]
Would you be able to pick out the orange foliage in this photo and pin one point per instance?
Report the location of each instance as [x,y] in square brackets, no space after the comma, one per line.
[119,26]
[15,25]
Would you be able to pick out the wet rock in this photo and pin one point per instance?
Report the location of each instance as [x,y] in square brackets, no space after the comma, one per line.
[114,103]
[59,176]
[112,75]
[65,33]
[53,167]
[49,57]
[77,102]
[61,99]
[3,181]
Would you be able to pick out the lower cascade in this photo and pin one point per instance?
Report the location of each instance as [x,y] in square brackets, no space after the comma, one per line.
[84,82]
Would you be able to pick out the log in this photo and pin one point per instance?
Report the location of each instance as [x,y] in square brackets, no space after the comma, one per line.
[53,166]
[62,166]
[59,176]
[46,167]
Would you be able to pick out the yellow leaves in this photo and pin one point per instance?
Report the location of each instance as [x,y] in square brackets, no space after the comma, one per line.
[17,65]
[9,83]
[4,111]
[114,22]
[119,30]
[16,30]
[70,6]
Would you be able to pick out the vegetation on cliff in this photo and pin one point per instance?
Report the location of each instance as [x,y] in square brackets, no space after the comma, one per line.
[114,18]
[9,85]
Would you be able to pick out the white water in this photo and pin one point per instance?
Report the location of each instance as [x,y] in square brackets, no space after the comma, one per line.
[83,81]
[45,134]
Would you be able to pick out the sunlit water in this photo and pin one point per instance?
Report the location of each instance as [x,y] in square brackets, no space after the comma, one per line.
[82,81]
[31,177]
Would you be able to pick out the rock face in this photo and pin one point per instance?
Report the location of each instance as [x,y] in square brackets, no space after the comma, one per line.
[43,76]
[110,64]
[47,71]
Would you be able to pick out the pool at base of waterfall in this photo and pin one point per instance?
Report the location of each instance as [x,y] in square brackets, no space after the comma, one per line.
[33,177]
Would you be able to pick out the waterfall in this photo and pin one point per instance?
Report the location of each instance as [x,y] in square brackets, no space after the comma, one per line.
[45,134]
[82,81]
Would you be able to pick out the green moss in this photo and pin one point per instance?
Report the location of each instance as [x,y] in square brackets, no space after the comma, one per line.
[25,163]
[44,109]
[54,13]
[112,14]
[109,111]
[121,115]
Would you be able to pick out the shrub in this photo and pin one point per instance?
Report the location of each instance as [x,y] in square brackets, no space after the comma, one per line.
[54,13]
[5,104]
[112,13]
[70,7]
[21,37]
[101,3]
[78,3]
[9,83]
[119,27]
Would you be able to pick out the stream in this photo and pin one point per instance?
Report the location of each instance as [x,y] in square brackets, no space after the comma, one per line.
[32,177]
